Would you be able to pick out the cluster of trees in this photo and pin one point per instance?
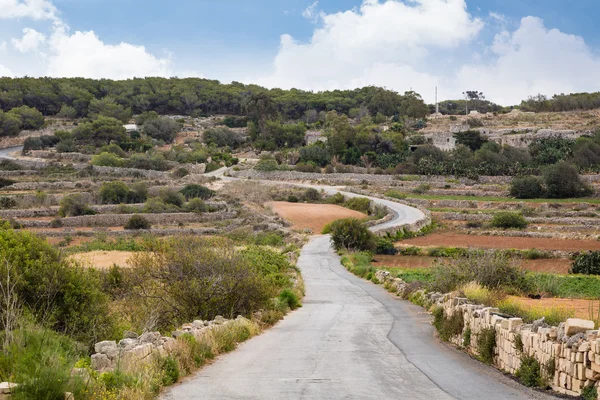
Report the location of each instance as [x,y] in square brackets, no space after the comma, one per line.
[561,102]
[20,118]
[78,97]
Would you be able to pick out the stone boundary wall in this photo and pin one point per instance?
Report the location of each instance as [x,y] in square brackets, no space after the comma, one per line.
[157,232]
[134,349]
[573,345]
[593,222]
[107,220]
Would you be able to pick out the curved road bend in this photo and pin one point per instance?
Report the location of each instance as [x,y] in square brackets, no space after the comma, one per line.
[350,340]
[6,153]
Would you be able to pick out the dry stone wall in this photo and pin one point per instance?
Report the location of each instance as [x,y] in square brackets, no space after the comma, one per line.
[572,347]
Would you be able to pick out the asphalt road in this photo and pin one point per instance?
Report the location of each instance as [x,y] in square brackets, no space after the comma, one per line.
[6,153]
[350,340]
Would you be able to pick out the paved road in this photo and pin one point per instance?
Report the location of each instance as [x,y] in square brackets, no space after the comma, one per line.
[6,153]
[350,340]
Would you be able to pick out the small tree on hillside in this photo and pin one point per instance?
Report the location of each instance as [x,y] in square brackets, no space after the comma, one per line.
[162,129]
[563,181]
[528,187]
[352,235]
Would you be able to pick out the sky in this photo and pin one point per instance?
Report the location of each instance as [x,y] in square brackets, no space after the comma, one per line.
[507,49]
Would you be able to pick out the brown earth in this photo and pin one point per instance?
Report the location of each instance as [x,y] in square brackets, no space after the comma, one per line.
[585,309]
[554,265]
[103,259]
[312,216]
[450,239]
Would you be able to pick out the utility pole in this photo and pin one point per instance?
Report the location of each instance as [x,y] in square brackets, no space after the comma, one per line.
[437,106]
[466,103]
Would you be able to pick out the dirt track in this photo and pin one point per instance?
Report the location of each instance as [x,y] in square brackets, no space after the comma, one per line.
[450,239]
[103,259]
[312,216]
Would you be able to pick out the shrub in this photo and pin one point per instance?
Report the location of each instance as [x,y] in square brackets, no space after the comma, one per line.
[170,196]
[74,205]
[507,220]
[529,187]
[486,344]
[31,118]
[352,234]
[10,124]
[137,222]
[360,204]
[107,160]
[589,393]
[563,181]
[5,182]
[193,190]
[56,223]
[162,129]
[467,338]
[529,372]
[385,246]
[114,192]
[170,370]
[587,263]
[293,198]
[180,173]
[337,198]
[307,168]
[196,205]
[312,195]
[7,202]
[396,194]
[290,299]
[267,165]
[422,188]
[447,327]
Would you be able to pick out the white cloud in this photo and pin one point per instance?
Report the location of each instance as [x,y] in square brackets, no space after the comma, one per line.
[531,60]
[5,71]
[3,46]
[35,9]
[30,41]
[384,43]
[83,54]
[497,17]
[311,12]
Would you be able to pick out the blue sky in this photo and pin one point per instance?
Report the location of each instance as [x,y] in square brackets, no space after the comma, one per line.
[400,44]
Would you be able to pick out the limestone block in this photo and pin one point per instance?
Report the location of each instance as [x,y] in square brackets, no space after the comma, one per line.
[150,337]
[69,396]
[107,346]
[576,325]
[100,362]
[7,387]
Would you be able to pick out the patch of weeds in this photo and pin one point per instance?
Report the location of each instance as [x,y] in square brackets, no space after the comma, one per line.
[290,299]
[529,372]
[519,343]
[589,393]
[486,345]
[447,327]
[467,338]
[170,370]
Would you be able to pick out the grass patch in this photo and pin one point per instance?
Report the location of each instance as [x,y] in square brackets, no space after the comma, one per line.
[486,345]
[529,372]
[551,315]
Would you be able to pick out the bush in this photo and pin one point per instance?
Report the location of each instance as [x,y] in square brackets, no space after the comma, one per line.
[589,393]
[137,222]
[107,160]
[337,198]
[196,205]
[7,202]
[587,263]
[352,235]
[529,187]
[293,199]
[563,181]
[385,246]
[5,182]
[74,205]
[529,373]
[192,191]
[31,118]
[170,196]
[312,195]
[163,128]
[290,299]
[114,193]
[507,220]
[395,194]
[170,370]
[267,165]
[360,204]
[10,124]
[447,327]
[486,344]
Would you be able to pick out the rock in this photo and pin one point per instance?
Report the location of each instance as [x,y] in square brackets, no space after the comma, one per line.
[127,344]
[130,335]
[106,346]
[573,341]
[7,387]
[220,320]
[100,362]
[198,324]
[178,333]
[150,337]
[69,396]
[576,325]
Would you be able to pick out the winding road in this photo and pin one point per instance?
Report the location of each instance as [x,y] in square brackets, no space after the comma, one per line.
[350,340]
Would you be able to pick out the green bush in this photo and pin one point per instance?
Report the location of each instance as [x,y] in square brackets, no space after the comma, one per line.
[193,190]
[529,187]
[114,192]
[170,196]
[486,344]
[447,327]
[337,198]
[360,204]
[137,222]
[467,338]
[563,181]
[267,165]
[107,160]
[5,182]
[529,372]
[293,199]
[170,370]
[196,205]
[507,220]
[589,393]
[352,235]
[385,246]
[587,263]
[74,205]
[290,299]
[396,194]
[312,195]
[162,128]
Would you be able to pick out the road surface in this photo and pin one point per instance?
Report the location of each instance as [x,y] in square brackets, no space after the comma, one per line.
[6,153]
[350,340]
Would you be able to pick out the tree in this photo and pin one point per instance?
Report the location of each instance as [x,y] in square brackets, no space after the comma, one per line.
[114,192]
[261,108]
[222,137]
[352,235]
[67,111]
[551,150]
[163,128]
[587,263]
[100,132]
[74,205]
[471,139]
[529,187]
[192,191]
[137,222]
[31,119]
[413,106]
[108,107]
[562,181]
[316,154]
[10,124]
